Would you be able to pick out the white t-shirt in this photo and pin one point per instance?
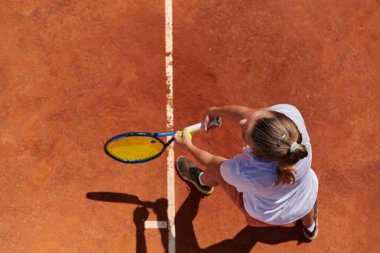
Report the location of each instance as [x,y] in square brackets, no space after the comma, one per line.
[254,177]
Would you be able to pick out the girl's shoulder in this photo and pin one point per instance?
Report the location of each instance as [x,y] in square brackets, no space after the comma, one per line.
[289,110]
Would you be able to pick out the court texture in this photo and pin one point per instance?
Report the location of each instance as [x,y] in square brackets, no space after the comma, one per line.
[75,73]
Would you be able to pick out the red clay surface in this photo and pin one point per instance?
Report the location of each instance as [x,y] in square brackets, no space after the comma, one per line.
[74,73]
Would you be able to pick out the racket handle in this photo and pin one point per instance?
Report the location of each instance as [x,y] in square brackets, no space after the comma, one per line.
[198,127]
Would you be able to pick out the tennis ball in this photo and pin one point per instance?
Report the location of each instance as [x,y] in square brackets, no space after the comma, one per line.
[188,134]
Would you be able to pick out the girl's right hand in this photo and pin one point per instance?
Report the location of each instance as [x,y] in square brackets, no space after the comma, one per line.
[206,121]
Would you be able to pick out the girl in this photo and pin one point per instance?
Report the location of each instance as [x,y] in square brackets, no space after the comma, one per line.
[271,181]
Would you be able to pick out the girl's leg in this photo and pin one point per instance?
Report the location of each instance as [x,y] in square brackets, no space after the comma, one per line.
[308,219]
[211,176]
[310,231]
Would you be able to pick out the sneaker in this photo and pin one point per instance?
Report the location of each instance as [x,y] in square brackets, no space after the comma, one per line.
[189,172]
[312,235]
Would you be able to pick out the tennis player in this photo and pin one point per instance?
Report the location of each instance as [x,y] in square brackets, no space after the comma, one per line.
[271,181]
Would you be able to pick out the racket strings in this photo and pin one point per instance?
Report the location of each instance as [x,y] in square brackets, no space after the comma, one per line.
[135,148]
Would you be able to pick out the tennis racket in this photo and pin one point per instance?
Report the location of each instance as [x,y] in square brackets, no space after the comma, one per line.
[140,147]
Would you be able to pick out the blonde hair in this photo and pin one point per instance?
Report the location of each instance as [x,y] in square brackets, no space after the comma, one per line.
[278,138]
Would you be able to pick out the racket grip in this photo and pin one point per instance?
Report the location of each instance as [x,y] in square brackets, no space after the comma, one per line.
[215,122]
[198,127]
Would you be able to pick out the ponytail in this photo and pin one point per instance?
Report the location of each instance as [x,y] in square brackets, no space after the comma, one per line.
[286,170]
[286,175]
[297,154]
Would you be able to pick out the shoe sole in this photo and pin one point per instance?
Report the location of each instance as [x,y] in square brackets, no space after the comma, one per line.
[189,180]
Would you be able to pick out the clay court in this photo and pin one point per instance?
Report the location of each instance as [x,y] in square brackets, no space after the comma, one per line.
[75,73]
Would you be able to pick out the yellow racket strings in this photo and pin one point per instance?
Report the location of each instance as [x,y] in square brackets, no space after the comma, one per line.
[135,148]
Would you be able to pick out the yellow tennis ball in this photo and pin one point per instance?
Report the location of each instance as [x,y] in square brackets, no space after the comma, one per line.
[188,134]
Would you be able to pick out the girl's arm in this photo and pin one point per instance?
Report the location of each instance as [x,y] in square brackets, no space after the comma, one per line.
[202,156]
[231,112]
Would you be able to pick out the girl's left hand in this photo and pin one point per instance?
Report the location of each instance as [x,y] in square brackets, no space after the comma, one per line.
[183,141]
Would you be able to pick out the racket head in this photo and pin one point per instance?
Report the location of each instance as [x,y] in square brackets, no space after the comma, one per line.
[136,147]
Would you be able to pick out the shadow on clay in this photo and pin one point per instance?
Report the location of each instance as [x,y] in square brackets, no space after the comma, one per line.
[186,239]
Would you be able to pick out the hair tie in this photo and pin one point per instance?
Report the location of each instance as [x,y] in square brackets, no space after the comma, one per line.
[293,147]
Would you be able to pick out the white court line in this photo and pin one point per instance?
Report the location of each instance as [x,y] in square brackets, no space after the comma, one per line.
[155,224]
[170,122]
